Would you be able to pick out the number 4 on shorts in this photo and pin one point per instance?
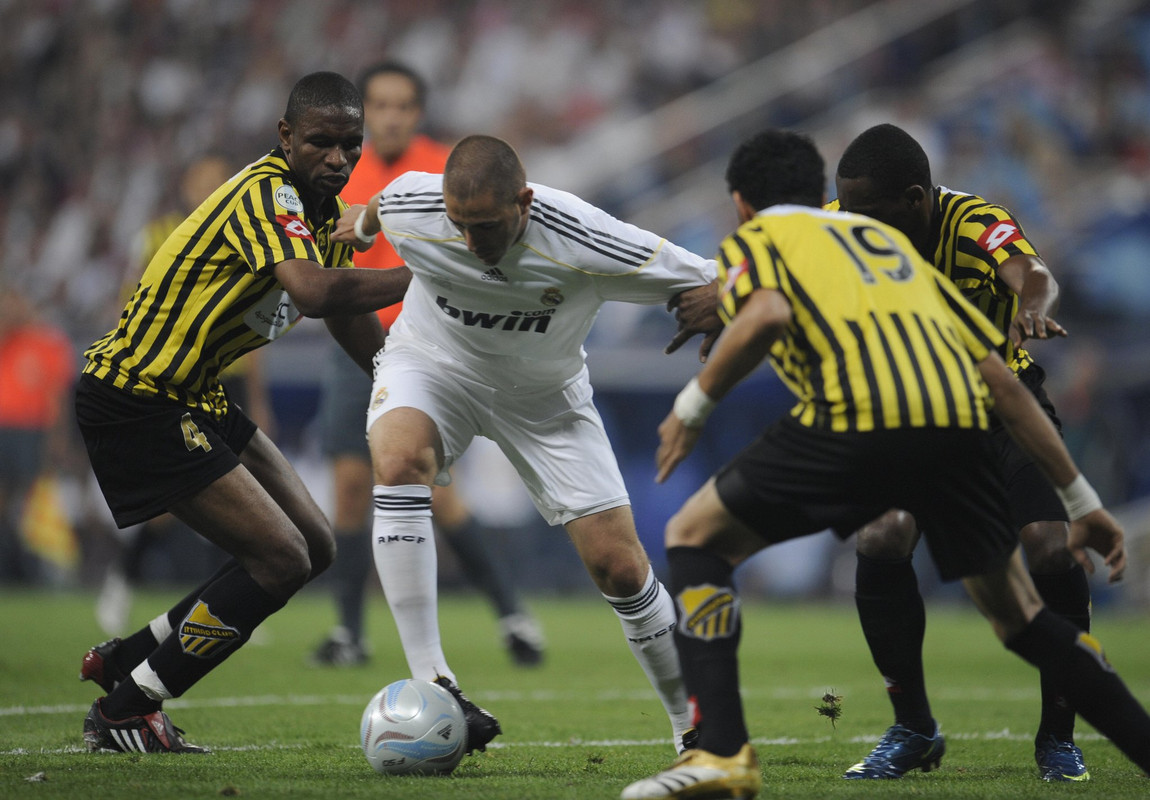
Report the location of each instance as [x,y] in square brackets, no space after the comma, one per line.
[193,436]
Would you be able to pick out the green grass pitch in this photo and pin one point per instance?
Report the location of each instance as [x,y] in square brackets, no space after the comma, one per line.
[583,725]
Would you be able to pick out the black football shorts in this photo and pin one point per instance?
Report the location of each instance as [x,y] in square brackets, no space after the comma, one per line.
[796,480]
[148,453]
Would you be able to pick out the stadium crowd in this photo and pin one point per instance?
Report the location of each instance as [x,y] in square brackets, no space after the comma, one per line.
[103,99]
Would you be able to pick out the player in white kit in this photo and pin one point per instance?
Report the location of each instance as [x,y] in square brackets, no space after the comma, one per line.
[507,279]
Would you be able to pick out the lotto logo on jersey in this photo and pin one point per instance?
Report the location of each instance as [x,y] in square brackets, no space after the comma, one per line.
[708,612]
[733,274]
[294,226]
[999,234]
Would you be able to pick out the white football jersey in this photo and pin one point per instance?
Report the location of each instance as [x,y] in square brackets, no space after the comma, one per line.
[520,325]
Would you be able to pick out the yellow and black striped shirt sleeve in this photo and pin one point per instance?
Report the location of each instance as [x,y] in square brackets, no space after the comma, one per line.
[975,238]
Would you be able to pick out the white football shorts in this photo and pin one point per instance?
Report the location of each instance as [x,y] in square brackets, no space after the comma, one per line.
[555,439]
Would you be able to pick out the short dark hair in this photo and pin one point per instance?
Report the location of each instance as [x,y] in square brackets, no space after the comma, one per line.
[395,68]
[322,90]
[484,164]
[889,157]
[777,166]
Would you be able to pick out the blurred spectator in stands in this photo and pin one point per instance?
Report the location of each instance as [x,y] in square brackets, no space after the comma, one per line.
[37,366]
[1095,421]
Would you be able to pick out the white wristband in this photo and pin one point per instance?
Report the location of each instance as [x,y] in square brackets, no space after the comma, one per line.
[359,234]
[692,405]
[1079,498]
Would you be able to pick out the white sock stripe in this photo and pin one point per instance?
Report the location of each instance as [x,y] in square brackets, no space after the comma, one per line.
[410,498]
[160,627]
[402,503]
[150,683]
[639,602]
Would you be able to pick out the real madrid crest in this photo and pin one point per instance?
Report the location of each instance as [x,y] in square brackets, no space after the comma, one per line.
[379,398]
[551,297]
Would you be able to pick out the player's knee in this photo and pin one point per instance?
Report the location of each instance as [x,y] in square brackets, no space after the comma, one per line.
[321,553]
[282,570]
[1045,547]
[404,469]
[626,581]
[685,529]
[889,538]
[618,574]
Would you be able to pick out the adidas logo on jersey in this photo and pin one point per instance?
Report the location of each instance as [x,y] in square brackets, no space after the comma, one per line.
[494,274]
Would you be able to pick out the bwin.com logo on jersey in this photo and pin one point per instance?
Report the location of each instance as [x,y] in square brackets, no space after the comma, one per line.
[537,320]
[708,612]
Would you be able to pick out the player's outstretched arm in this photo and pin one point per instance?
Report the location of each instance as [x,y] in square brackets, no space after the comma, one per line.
[697,311]
[742,347]
[1030,279]
[319,292]
[676,441]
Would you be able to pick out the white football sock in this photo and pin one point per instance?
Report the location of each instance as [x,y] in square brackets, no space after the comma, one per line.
[403,543]
[648,620]
[160,627]
[150,683]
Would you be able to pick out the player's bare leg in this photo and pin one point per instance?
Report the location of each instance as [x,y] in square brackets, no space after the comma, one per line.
[407,454]
[704,545]
[610,549]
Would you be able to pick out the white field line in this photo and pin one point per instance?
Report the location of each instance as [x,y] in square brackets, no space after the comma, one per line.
[778,693]
[972,694]
[788,741]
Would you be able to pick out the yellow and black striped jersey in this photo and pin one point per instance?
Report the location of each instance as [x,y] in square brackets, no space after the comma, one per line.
[971,238]
[209,294]
[148,243]
[878,339]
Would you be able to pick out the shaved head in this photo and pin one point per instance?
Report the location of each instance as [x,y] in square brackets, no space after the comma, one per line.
[481,165]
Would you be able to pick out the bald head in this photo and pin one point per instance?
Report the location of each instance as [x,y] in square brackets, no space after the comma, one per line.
[486,197]
[484,165]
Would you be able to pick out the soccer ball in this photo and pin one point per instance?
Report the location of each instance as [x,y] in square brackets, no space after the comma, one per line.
[413,727]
